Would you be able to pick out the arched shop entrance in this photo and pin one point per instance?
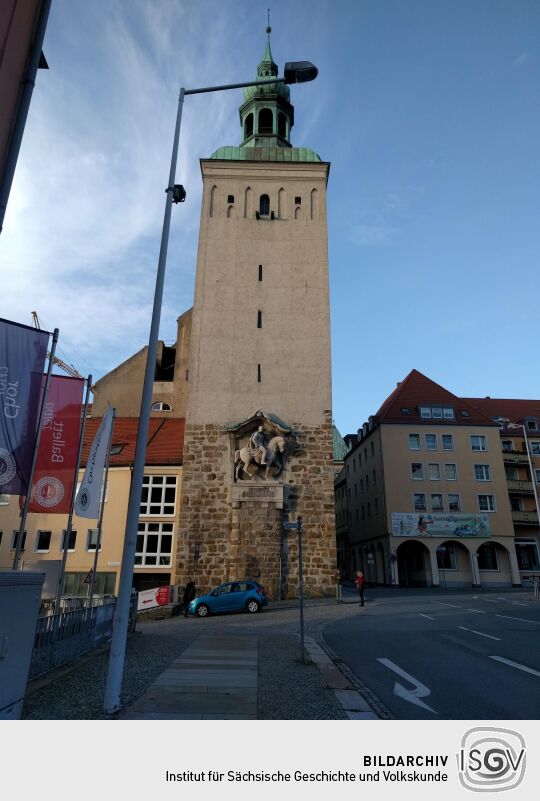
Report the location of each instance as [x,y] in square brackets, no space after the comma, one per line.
[414,565]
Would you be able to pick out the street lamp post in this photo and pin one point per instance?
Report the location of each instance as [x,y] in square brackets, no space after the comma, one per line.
[294,72]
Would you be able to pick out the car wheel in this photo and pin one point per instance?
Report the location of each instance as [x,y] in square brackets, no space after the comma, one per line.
[253,606]
[203,610]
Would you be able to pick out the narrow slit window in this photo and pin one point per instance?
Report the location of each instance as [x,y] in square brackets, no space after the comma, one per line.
[230,198]
[259,319]
[259,377]
[298,200]
[260,272]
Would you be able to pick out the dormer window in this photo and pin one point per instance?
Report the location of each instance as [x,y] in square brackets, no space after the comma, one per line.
[532,425]
[264,206]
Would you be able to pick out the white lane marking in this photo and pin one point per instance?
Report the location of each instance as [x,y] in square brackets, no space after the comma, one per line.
[428,616]
[492,600]
[413,696]
[443,604]
[480,611]
[500,598]
[491,637]
[516,665]
[519,603]
[523,620]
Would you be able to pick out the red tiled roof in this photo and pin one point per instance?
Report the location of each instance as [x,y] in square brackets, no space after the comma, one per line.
[165,440]
[418,390]
[513,408]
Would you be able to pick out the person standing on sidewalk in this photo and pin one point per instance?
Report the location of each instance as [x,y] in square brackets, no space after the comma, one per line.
[360,582]
[188,596]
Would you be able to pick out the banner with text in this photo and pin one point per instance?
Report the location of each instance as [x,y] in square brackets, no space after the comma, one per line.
[23,351]
[406,524]
[89,495]
[58,446]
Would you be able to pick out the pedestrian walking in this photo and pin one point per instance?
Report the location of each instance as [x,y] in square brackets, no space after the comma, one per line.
[360,582]
[339,585]
[188,596]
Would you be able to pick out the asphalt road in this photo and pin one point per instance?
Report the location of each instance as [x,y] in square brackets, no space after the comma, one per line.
[443,655]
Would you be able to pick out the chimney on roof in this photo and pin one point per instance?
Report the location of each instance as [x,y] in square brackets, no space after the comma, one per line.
[398,384]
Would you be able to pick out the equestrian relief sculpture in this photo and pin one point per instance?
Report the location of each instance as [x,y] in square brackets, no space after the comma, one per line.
[261,451]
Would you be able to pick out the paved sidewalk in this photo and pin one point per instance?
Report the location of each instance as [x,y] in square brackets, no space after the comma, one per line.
[214,679]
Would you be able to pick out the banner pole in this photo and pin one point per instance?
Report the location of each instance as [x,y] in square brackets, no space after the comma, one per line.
[100,519]
[28,496]
[72,501]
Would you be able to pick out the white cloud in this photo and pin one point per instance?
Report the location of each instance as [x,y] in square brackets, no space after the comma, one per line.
[373,235]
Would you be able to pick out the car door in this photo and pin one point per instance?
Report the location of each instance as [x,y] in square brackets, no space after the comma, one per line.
[238,596]
[222,601]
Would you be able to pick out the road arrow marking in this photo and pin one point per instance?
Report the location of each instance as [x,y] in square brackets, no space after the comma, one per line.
[516,665]
[412,696]
[491,637]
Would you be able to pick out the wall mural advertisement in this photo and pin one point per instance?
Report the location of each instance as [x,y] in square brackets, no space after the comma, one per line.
[414,524]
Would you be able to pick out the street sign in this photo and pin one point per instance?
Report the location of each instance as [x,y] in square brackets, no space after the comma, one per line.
[290,526]
[90,578]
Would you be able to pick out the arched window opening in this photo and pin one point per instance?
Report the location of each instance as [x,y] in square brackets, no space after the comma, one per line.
[213,193]
[266,121]
[282,125]
[247,202]
[281,204]
[314,209]
[160,406]
[297,213]
[248,128]
[230,211]
[264,206]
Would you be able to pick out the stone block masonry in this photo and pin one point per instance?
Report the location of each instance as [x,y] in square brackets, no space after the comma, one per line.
[220,541]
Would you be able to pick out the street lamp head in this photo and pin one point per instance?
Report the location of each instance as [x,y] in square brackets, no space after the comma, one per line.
[300,71]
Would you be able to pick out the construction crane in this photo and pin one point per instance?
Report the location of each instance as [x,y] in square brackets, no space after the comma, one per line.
[67,368]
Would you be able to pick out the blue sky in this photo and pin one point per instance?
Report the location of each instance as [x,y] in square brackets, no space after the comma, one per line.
[428,111]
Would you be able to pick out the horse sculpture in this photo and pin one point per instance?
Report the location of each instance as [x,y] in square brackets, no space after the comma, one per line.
[246,456]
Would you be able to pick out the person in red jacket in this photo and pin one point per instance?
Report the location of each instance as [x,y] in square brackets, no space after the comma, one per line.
[360,582]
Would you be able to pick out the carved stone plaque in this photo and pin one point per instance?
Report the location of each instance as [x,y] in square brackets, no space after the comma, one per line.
[267,493]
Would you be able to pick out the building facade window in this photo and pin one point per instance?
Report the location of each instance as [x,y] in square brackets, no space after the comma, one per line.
[43,541]
[15,540]
[92,540]
[446,557]
[450,472]
[537,474]
[419,501]
[527,554]
[75,584]
[478,443]
[487,557]
[535,448]
[507,445]
[448,442]
[437,502]
[486,503]
[159,406]
[434,472]
[414,442]
[511,473]
[264,206]
[154,544]
[72,540]
[454,503]
[482,472]
[417,471]
[158,495]
[431,442]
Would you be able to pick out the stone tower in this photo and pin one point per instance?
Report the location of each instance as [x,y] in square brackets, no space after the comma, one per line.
[258,441]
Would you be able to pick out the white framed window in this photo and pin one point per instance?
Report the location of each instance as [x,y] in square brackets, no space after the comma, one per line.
[154,545]
[535,447]
[4,500]
[72,540]
[158,496]
[434,472]
[454,502]
[419,502]
[448,413]
[437,502]
[482,472]
[425,412]
[437,413]
[478,442]
[450,472]
[487,557]
[448,442]
[486,503]
[414,442]
[431,442]
[446,556]
[532,425]
[417,471]
[92,538]
[43,541]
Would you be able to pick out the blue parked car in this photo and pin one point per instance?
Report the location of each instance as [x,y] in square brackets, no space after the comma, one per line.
[233,596]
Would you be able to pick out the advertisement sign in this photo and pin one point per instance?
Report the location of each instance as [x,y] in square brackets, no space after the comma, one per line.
[89,495]
[22,360]
[58,446]
[413,524]
[149,599]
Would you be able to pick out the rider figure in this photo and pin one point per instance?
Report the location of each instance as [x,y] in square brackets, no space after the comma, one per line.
[258,442]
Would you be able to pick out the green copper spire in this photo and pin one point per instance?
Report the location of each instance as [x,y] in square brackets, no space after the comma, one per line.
[268,66]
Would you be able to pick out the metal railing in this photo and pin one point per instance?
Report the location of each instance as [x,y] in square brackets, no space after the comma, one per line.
[524,517]
[515,456]
[63,637]
[518,485]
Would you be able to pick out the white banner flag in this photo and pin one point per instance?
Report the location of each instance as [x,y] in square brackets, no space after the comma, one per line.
[89,495]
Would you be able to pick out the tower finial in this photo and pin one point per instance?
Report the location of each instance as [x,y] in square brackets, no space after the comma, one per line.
[268,28]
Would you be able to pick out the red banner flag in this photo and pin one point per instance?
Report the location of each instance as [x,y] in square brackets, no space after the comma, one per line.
[58,446]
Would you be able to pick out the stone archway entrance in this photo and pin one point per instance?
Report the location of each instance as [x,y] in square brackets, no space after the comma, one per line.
[414,566]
